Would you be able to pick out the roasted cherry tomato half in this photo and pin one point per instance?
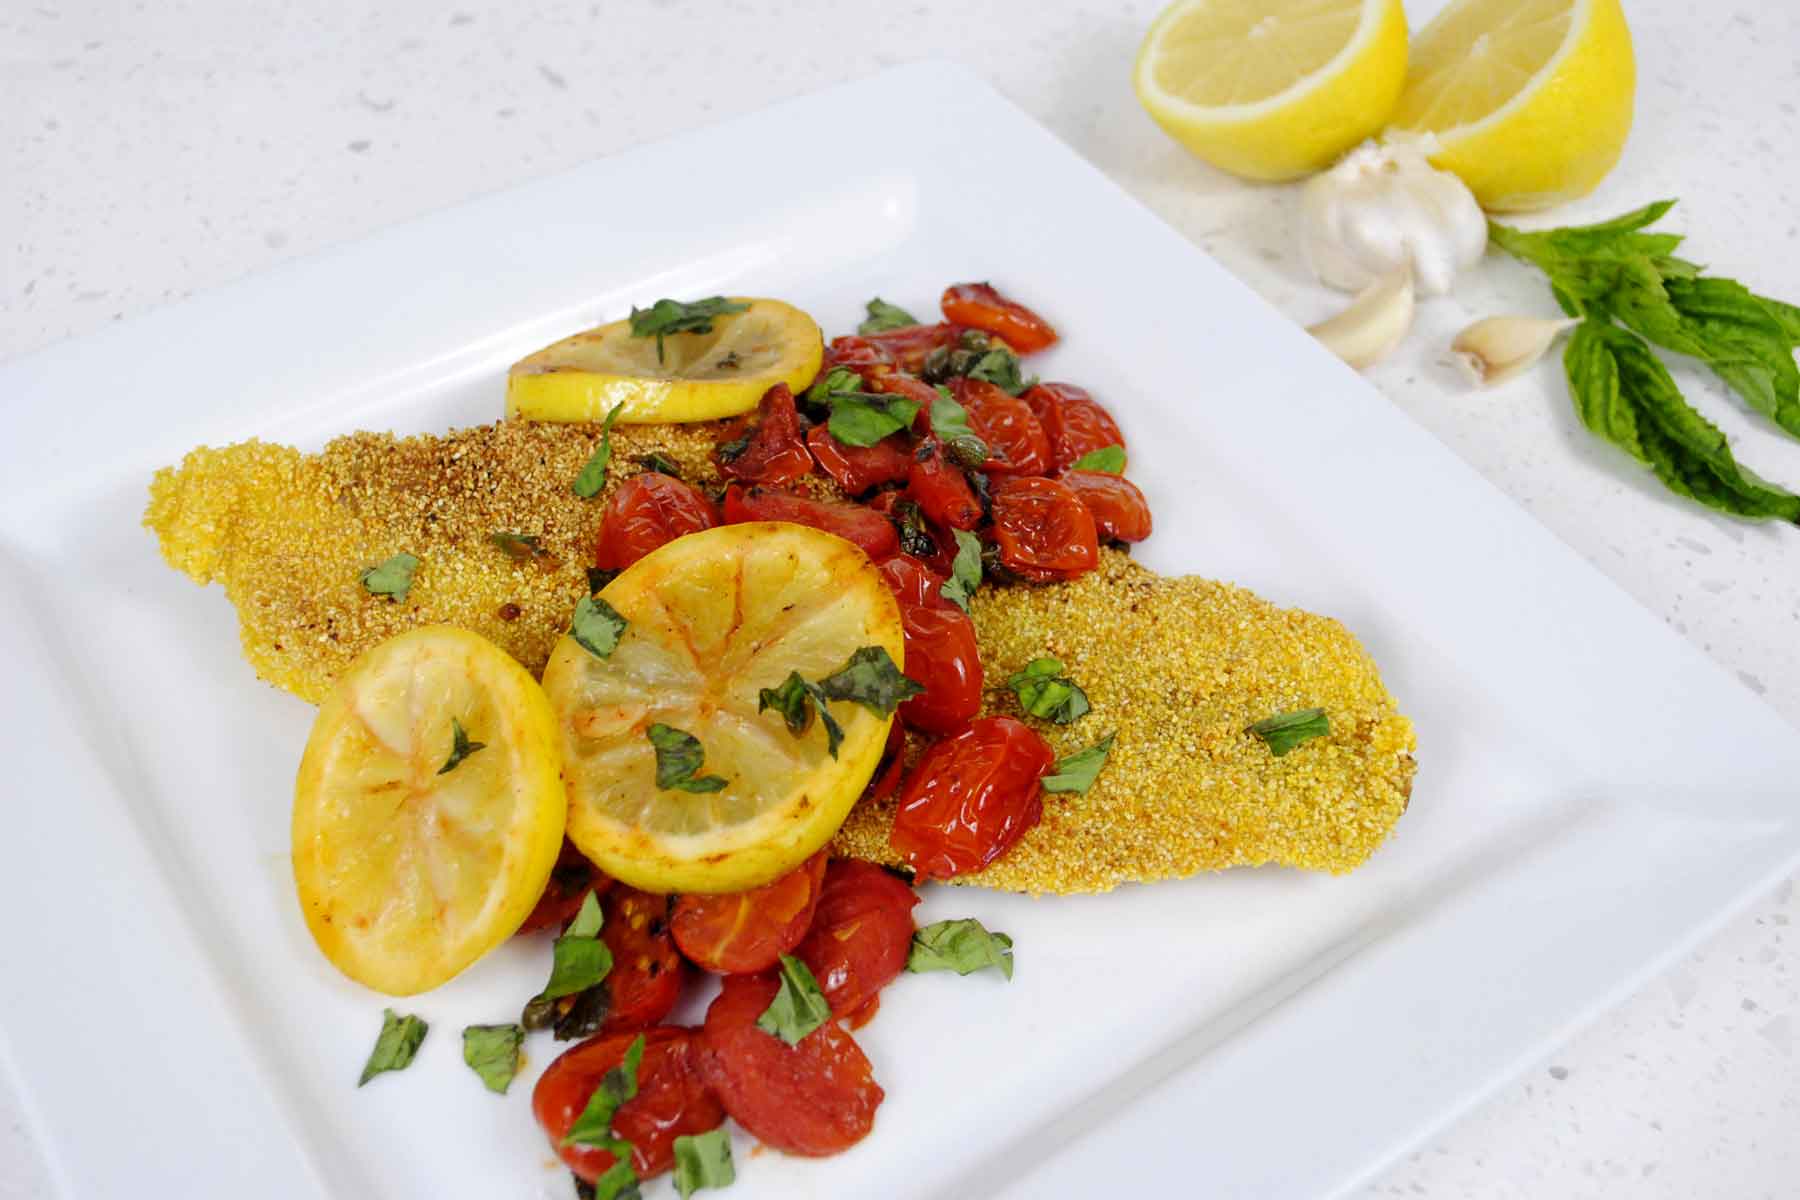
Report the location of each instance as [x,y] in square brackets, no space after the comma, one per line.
[571,879]
[873,533]
[860,934]
[894,383]
[979,306]
[649,511]
[908,346]
[672,1099]
[1119,509]
[912,582]
[1017,444]
[749,931]
[941,651]
[971,798]
[1073,420]
[770,451]
[940,489]
[859,354]
[856,469]
[647,971]
[815,1098]
[1043,530]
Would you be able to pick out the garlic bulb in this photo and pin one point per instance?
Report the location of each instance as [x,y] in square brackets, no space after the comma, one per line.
[1384,205]
[1368,330]
[1495,349]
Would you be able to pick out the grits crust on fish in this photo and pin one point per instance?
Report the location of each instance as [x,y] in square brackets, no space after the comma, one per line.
[1179,667]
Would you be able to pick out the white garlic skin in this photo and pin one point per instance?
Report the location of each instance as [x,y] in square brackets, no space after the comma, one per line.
[1385,205]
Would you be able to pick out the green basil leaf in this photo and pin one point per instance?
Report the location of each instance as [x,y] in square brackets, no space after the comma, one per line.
[597,626]
[1110,459]
[598,578]
[592,478]
[839,381]
[796,700]
[1618,238]
[1075,773]
[1284,731]
[863,420]
[1046,693]
[704,1160]
[492,1052]
[965,571]
[460,747]
[667,317]
[393,578]
[1743,342]
[520,547]
[884,316]
[678,756]
[1594,386]
[662,464]
[594,1126]
[949,419]
[1786,315]
[577,964]
[396,1044]
[871,679]
[799,1005]
[588,918]
[964,946]
[1000,367]
[619,1181]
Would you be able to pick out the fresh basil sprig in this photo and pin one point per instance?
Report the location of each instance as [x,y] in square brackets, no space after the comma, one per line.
[395,1046]
[884,316]
[667,317]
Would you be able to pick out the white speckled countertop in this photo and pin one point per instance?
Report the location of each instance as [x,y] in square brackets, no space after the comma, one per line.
[150,150]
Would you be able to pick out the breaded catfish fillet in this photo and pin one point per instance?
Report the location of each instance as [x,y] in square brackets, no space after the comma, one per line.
[1180,667]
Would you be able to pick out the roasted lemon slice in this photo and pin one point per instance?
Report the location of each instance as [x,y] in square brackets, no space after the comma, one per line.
[428,811]
[712,619]
[681,377]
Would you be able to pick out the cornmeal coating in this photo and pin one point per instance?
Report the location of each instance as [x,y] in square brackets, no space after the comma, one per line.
[1180,667]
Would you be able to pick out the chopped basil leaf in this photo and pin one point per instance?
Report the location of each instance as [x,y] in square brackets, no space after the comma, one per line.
[872,680]
[862,419]
[659,463]
[963,946]
[796,700]
[799,1006]
[734,449]
[520,547]
[579,960]
[965,571]
[666,317]
[492,1051]
[1286,730]
[593,476]
[839,381]
[678,755]
[589,918]
[392,578]
[703,1161]
[619,1181]
[460,747]
[915,539]
[999,367]
[594,1126]
[1045,692]
[395,1046]
[884,316]
[1076,772]
[597,626]
[1110,459]
[949,419]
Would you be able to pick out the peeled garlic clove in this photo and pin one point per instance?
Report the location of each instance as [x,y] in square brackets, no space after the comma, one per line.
[1495,349]
[1369,329]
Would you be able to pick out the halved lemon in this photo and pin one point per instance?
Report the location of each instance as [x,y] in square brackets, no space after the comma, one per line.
[712,619]
[415,853]
[1274,89]
[697,377]
[1530,99]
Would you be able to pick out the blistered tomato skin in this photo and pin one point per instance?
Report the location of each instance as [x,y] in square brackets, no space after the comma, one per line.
[856,469]
[940,489]
[775,454]
[815,1098]
[860,935]
[672,1100]
[1016,442]
[942,655]
[744,932]
[647,971]
[1043,530]
[858,354]
[649,511]
[971,798]
[1119,509]
[870,531]
[1073,420]
[979,306]
[909,346]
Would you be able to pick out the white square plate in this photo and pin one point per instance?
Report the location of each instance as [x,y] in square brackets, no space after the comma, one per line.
[1592,794]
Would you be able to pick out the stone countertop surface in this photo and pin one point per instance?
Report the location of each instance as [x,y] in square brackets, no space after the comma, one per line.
[151,150]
